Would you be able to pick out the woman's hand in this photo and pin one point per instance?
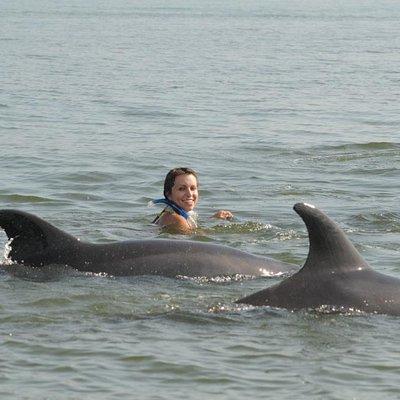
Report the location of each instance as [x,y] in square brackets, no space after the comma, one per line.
[223,214]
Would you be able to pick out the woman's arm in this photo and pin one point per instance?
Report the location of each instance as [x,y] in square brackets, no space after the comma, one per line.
[174,223]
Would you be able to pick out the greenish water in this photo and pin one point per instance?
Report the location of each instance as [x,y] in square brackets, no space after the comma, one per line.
[272,103]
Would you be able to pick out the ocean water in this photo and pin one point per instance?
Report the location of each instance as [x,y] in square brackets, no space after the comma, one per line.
[273,103]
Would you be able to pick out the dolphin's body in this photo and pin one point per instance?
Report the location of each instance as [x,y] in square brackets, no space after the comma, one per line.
[36,243]
[334,275]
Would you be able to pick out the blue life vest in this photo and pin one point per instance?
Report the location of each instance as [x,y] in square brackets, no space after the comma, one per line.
[179,210]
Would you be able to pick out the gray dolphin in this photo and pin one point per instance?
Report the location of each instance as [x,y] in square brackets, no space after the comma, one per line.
[334,275]
[37,243]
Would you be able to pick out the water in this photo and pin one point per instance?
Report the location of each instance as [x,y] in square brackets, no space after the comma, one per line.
[272,103]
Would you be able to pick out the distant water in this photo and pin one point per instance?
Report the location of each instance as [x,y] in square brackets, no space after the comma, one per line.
[272,103]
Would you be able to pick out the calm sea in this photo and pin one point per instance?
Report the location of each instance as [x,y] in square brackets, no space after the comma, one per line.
[272,102]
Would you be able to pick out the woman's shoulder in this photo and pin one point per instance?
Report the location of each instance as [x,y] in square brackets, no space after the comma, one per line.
[174,223]
[168,217]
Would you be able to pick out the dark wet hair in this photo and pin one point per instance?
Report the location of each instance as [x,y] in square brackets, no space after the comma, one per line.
[171,176]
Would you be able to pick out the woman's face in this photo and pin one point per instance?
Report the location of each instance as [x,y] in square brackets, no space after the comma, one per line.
[184,192]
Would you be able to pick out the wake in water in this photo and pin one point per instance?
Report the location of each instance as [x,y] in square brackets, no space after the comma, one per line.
[241,227]
[230,278]
[386,221]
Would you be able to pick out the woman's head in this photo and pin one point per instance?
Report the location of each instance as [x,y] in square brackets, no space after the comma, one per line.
[181,186]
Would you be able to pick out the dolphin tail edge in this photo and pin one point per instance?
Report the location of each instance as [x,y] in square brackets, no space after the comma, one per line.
[33,241]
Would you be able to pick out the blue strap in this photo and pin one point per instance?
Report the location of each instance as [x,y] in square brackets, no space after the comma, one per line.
[175,207]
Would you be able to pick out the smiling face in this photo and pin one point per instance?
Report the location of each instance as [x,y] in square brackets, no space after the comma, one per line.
[184,192]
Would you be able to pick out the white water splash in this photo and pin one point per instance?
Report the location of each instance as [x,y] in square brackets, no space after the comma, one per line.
[95,274]
[5,260]
[332,309]
[216,279]
[265,272]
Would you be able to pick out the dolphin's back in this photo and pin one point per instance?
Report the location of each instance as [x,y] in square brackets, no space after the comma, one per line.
[35,242]
[175,257]
[334,274]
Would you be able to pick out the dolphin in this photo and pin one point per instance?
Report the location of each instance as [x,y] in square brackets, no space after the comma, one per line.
[36,243]
[334,276]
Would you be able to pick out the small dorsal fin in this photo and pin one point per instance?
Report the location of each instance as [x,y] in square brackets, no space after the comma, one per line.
[330,248]
[31,236]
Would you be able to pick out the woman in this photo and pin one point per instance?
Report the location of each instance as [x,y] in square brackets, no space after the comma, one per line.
[180,197]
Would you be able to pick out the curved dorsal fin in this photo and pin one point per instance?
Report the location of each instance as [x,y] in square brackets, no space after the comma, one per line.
[330,249]
[31,236]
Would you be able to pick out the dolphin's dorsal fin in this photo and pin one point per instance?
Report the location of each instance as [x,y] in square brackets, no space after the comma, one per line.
[31,236]
[330,249]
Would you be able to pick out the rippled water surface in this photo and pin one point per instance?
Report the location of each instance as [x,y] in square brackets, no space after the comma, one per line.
[272,103]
